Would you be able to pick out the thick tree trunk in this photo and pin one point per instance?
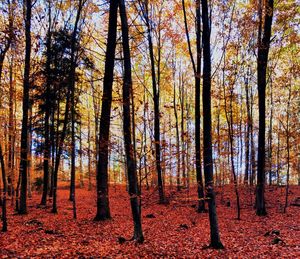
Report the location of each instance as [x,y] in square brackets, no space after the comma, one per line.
[262,61]
[103,211]
[128,141]
[215,241]
[25,109]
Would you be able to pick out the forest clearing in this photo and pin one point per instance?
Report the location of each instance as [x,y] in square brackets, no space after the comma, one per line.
[173,230]
[149,128]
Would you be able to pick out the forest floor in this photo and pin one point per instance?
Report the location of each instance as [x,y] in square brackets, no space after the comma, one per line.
[175,230]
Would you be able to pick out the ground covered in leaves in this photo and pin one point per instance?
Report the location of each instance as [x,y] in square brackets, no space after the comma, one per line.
[173,230]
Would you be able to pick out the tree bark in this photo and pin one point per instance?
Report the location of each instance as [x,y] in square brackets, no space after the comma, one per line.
[25,109]
[103,211]
[47,113]
[215,241]
[262,61]
[128,141]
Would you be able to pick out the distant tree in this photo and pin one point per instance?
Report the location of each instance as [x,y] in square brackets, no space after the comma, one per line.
[155,76]
[197,75]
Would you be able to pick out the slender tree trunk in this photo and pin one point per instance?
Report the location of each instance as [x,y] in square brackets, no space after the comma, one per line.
[4,218]
[29,166]
[11,134]
[278,155]
[253,154]
[197,75]
[47,113]
[155,86]
[177,135]
[103,211]
[183,139]
[270,136]
[80,156]
[89,151]
[247,139]
[288,150]
[231,145]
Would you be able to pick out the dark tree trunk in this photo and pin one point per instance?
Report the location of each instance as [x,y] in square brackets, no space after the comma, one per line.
[201,203]
[4,218]
[89,151]
[197,75]
[24,133]
[129,146]
[262,61]
[3,52]
[215,241]
[47,114]
[11,135]
[103,211]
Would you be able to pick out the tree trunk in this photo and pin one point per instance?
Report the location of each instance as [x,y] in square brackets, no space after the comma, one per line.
[103,211]
[197,76]
[155,87]
[4,218]
[247,138]
[129,146]
[262,61]
[24,133]
[47,113]
[215,241]
[177,134]
[288,150]
[270,136]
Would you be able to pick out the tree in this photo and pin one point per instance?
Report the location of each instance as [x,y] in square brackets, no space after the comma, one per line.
[129,146]
[47,111]
[4,217]
[207,139]
[197,76]
[3,50]
[70,106]
[155,76]
[26,88]
[103,211]
[264,38]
